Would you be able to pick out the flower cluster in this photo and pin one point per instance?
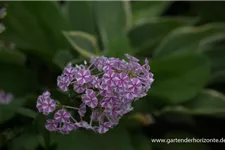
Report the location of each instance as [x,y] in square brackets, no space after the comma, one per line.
[107,88]
[2,15]
[5,98]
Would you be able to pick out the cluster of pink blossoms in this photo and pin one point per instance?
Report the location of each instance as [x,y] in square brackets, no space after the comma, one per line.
[2,15]
[5,98]
[107,88]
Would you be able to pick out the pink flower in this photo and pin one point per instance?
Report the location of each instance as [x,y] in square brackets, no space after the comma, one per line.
[62,115]
[104,127]
[122,80]
[83,76]
[51,125]
[45,104]
[90,98]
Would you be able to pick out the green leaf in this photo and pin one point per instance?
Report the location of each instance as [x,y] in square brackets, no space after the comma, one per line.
[186,39]
[25,142]
[147,10]
[62,58]
[113,19]
[216,13]
[115,139]
[179,78]
[118,47]
[82,42]
[26,112]
[145,35]
[80,15]
[140,142]
[7,111]
[17,79]
[2,28]
[36,30]
[39,123]
[208,102]
[11,56]
[214,47]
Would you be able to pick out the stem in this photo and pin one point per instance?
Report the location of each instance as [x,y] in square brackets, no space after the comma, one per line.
[91,65]
[91,119]
[141,78]
[97,94]
[92,69]
[99,73]
[73,82]
[74,119]
[108,119]
[70,107]
[81,119]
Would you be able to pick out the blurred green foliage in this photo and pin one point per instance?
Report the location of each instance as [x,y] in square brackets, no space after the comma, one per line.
[186,52]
